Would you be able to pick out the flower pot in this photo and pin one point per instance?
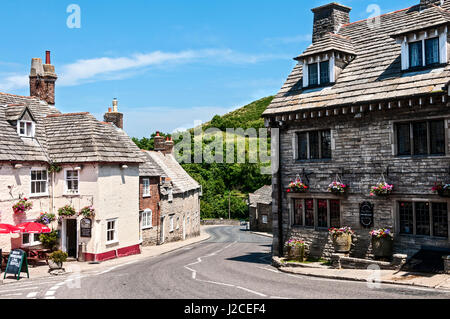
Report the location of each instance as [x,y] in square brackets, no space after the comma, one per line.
[296,253]
[342,243]
[382,247]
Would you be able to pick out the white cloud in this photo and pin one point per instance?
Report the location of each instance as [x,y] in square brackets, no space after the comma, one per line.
[288,39]
[13,82]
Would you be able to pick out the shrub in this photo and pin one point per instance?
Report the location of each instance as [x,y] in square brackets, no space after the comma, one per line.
[50,240]
[59,256]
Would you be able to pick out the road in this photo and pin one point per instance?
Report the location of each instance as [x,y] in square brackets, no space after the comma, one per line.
[232,264]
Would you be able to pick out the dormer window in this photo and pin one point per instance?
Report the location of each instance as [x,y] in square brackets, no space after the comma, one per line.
[423,48]
[318,73]
[25,128]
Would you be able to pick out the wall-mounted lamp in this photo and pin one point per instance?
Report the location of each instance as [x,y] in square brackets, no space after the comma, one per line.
[17,166]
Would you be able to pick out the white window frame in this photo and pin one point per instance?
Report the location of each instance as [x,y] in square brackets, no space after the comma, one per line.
[66,189]
[317,60]
[28,133]
[39,169]
[170,195]
[147,215]
[33,242]
[146,187]
[171,225]
[114,230]
[422,36]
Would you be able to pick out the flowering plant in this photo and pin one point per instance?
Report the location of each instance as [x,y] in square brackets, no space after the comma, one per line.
[337,187]
[340,231]
[440,188]
[381,233]
[46,218]
[295,243]
[22,206]
[381,189]
[87,211]
[297,186]
[67,211]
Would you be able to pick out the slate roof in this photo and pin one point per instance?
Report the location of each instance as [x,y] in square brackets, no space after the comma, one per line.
[330,42]
[61,138]
[150,167]
[261,196]
[182,182]
[375,74]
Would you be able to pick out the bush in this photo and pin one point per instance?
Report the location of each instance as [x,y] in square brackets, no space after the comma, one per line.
[58,256]
[50,240]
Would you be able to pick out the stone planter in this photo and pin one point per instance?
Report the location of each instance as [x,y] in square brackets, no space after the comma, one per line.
[296,253]
[342,243]
[53,266]
[382,247]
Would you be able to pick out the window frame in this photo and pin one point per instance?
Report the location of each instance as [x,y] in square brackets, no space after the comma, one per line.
[431,225]
[320,145]
[31,243]
[147,215]
[146,191]
[46,181]
[318,78]
[66,188]
[26,131]
[171,224]
[396,141]
[315,200]
[115,239]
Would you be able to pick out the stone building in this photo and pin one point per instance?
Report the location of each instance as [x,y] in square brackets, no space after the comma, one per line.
[173,203]
[260,209]
[367,102]
[54,159]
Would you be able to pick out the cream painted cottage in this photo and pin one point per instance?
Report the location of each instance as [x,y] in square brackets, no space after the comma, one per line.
[54,159]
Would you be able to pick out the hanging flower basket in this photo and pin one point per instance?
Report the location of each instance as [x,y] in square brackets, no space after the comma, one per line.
[381,189]
[337,187]
[297,186]
[87,212]
[67,211]
[442,190]
[382,242]
[342,239]
[22,206]
[46,218]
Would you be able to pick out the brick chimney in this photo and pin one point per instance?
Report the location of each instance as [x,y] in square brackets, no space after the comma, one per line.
[42,79]
[159,144]
[114,116]
[168,146]
[328,18]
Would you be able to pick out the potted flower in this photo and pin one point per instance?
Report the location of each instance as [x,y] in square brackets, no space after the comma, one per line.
[87,212]
[67,211]
[56,259]
[296,249]
[442,190]
[381,189]
[22,206]
[337,188]
[46,218]
[297,186]
[382,242]
[342,238]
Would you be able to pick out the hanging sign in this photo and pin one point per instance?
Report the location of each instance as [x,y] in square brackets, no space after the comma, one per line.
[17,263]
[86,227]
[366,214]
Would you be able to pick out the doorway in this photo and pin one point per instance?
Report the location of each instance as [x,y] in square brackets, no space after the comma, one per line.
[69,237]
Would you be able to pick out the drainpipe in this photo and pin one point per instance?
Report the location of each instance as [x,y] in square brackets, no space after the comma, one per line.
[279,125]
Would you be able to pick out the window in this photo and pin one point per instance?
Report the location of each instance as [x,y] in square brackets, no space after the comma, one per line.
[432,51]
[171,224]
[30,240]
[423,219]
[111,231]
[424,53]
[313,73]
[25,128]
[170,196]
[324,72]
[178,222]
[146,187]
[72,181]
[39,180]
[314,145]
[421,138]
[327,211]
[415,54]
[264,219]
[147,216]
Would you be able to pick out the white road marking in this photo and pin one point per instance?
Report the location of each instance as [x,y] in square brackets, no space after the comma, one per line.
[252,291]
[50,293]
[20,289]
[12,295]
[32,295]
[52,297]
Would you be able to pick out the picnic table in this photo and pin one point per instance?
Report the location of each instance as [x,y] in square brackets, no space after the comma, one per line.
[35,255]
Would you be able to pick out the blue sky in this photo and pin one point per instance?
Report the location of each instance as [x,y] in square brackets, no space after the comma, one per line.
[168,62]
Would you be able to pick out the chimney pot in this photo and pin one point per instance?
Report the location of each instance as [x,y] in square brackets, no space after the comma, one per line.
[47,57]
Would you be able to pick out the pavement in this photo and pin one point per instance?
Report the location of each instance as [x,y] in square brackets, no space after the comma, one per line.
[42,269]
[438,281]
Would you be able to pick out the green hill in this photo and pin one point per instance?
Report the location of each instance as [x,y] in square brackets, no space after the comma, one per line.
[226,186]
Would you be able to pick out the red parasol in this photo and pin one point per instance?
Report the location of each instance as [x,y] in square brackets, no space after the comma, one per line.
[7,229]
[33,228]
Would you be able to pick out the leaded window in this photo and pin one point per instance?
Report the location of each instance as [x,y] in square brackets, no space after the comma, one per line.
[298,212]
[424,219]
[314,145]
[415,54]
[421,138]
[313,74]
[320,213]
[432,51]
[325,72]
[440,219]
[406,218]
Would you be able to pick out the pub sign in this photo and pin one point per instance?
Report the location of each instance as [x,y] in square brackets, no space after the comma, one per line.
[366,214]
[86,227]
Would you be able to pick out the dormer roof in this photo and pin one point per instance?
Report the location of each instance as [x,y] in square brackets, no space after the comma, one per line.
[330,42]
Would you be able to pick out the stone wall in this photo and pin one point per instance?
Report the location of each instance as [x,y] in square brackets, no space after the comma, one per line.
[362,148]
